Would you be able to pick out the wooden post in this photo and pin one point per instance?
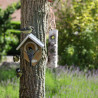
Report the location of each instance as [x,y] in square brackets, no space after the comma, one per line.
[32,83]
[53,49]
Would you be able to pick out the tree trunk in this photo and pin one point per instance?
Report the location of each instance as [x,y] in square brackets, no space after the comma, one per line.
[32,83]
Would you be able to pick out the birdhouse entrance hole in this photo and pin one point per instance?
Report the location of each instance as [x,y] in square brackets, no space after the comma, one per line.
[30,45]
[29,48]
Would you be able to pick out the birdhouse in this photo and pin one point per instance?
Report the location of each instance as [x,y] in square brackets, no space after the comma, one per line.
[32,49]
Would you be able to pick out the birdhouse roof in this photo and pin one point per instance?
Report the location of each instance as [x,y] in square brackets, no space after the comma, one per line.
[33,38]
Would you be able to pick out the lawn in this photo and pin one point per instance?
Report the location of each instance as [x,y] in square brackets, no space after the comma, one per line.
[64,83]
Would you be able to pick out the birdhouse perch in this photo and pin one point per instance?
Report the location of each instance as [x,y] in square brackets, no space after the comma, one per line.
[32,49]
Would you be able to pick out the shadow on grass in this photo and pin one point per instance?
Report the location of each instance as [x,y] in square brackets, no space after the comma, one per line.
[6,73]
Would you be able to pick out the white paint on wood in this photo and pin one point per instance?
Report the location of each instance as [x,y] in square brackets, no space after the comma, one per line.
[33,38]
[34,61]
[53,49]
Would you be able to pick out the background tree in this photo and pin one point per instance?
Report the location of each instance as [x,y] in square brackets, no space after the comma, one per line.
[8,38]
[34,13]
[78,32]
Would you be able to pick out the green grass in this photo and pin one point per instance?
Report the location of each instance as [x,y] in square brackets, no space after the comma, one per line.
[9,84]
[65,85]
[9,89]
[6,74]
[69,85]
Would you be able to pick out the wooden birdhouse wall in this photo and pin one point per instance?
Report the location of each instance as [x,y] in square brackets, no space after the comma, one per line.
[35,47]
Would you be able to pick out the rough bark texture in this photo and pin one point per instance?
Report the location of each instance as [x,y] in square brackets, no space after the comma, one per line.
[53,49]
[32,83]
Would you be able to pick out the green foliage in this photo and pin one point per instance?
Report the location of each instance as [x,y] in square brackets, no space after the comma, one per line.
[78,33]
[15,24]
[15,41]
[6,38]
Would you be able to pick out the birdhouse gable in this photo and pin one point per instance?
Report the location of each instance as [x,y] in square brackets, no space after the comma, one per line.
[32,38]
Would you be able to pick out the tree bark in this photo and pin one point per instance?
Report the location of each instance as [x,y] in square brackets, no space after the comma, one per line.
[32,83]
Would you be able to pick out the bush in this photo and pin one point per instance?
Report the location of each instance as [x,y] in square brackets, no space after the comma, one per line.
[77,27]
[15,31]
[6,38]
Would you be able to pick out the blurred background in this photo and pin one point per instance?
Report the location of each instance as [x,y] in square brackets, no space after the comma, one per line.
[77,22]
[9,27]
